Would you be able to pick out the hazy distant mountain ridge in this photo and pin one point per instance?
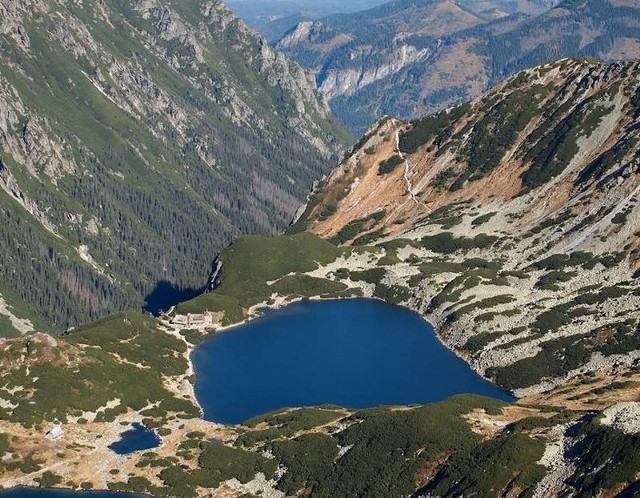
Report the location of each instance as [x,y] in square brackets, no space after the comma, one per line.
[407,58]
[273,18]
[126,127]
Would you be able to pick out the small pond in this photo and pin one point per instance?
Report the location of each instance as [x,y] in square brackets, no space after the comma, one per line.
[137,438]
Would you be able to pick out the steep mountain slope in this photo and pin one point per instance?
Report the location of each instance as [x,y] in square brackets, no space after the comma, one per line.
[126,127]
[513,221]
[447,52]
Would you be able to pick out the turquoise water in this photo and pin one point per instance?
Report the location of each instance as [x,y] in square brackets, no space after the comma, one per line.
[356,353]
[137,438]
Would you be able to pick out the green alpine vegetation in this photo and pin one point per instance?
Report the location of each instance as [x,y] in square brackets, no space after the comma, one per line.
[255,267]
[215,464]
[123,357]
[385,448]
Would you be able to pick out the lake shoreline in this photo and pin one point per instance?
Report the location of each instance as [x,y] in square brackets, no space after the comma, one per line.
[181,385]
[280,302]
[66,492]
[324,325]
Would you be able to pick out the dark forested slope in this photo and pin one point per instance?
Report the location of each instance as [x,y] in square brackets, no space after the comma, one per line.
[136,139]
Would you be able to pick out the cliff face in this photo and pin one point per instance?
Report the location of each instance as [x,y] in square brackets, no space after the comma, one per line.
[512,221]
[136,139]
[406,59]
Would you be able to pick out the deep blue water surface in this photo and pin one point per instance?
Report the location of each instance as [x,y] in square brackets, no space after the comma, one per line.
[135,439]
[355,353]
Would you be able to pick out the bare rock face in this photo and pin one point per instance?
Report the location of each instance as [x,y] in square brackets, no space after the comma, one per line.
[305,32]
[348,82]
[623,416]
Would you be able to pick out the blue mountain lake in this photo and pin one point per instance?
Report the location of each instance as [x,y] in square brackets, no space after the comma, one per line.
[356,353]
[135,439]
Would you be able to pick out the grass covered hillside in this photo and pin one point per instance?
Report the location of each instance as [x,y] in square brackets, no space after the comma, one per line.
[128,127]
[256,268]
[106,368]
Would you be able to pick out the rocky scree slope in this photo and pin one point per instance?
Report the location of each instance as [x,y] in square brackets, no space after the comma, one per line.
[512,222]
[409,58]
[126,128]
